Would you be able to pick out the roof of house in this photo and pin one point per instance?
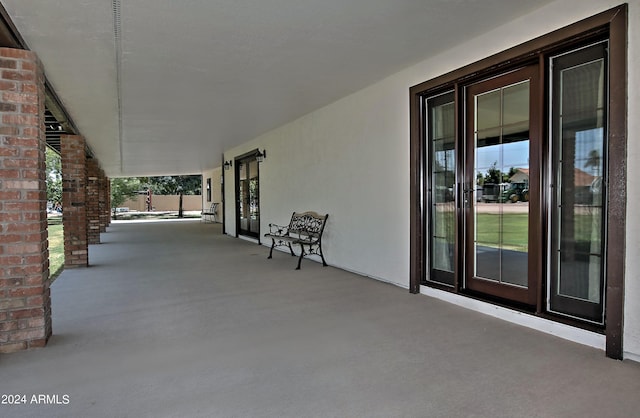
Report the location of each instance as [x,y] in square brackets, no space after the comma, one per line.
[581,178]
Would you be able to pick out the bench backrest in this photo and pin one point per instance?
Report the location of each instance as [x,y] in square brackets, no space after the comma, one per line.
[212,209]
[307,223]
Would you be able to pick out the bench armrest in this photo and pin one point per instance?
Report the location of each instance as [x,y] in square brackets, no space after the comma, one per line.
[278,230]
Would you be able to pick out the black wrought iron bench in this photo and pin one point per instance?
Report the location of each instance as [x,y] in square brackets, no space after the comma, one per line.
[305,229]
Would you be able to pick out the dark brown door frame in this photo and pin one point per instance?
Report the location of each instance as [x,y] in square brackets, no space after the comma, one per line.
[237,162]
[222,196]
[613,23]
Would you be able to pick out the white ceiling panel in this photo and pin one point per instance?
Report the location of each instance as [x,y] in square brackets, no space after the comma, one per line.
[197,77]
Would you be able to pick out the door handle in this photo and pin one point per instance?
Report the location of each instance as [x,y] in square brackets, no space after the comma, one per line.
[463,195]
[468,194]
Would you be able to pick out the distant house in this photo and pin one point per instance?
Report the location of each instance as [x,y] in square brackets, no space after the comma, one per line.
[521,176]
[583,183]
[581,178]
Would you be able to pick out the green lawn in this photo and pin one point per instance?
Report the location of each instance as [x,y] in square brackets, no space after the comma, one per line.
[515,229]
[510,230]
[56,247]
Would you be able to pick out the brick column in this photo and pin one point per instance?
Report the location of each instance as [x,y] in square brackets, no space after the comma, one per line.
[25,301]
[102,201]
[93,201]
[108,208]
[74,211]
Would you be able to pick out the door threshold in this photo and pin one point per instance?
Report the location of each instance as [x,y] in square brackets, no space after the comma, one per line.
[567,332]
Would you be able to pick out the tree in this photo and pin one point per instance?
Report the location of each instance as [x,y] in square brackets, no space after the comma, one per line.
[53,177]
[122,189]
[180,185]
[593,161]
[172,185]
[494,175]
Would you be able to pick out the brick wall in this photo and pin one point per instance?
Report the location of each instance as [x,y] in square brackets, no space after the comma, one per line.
[93,201]
[74,214]
[108,202]
[103,201]
[25,303]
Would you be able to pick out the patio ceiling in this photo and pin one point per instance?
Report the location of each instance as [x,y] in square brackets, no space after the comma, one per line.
[162,87]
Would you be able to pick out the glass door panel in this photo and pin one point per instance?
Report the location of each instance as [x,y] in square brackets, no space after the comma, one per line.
[501,231]
[497,201]
[247,197]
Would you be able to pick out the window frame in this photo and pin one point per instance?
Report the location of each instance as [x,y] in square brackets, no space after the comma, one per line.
[556,302]
[610,24]
[438,100]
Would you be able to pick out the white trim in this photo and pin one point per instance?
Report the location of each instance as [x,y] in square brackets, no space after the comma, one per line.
[631,356]
[566,332]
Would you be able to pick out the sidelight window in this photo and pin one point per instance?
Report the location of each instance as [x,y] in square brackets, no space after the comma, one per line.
[579,156]
[442,186]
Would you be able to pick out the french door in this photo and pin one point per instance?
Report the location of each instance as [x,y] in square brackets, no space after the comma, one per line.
[501,186]
[247,196]
[518,177]
[484,188]
[511,215]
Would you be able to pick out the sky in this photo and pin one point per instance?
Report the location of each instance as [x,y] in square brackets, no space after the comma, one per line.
[516,154]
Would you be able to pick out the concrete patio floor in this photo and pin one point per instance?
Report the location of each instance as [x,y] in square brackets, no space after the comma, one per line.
[174,319]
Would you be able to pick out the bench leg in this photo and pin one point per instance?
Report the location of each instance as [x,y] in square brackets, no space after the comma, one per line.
[291,249]
[273,244]
[324,263]
[302,254]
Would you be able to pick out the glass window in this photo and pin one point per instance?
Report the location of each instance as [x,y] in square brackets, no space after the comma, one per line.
[442,163]
[579,152]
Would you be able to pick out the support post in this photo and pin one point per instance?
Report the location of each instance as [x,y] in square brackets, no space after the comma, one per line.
[25,301]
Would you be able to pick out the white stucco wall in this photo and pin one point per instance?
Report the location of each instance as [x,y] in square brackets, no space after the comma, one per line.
[348,160]
[216,188]
[351,159]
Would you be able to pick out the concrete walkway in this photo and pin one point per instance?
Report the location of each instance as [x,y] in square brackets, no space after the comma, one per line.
[174,319]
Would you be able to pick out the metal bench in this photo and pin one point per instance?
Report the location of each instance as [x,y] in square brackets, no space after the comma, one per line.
[305,229]
[212,214]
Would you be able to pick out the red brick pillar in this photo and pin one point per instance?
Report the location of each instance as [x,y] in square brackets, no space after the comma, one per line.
[93,201]
[108,208]
[25,301]
[74,211]
[102,201]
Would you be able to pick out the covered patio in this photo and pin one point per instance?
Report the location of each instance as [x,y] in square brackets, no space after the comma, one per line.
[174,318]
